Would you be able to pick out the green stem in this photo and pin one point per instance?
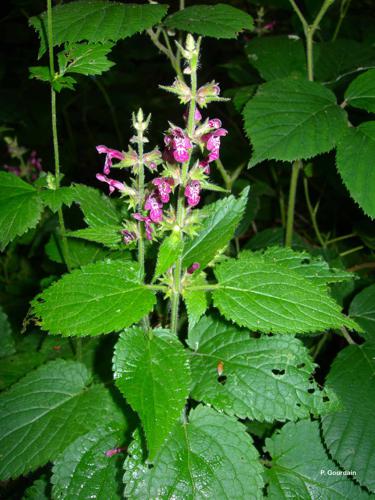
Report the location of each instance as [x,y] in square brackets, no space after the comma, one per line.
[343,10]
[292,202]
[312,212]
[180,216]
[224,174]
[351,250]
[65,246]
[341,238]
[347,336]
[175,61]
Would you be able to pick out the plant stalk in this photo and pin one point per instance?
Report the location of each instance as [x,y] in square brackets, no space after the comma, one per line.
[177,273]
[292,202]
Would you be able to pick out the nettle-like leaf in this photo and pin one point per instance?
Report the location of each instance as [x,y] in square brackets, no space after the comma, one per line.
[152,372]
[98,209]
[96,21]
[169,251]
[277,57]
[41,73]
[47,410]
[211,456]
[98,298]
[272,298]
[7,345]
[85,58]
[39,490]
[301,468]
[54,199]
[195,300]
[354,161]
[81,253]
[87,468]
[362,310]
[218,228]
[264,379]
[291,120]
[20,207]
[109,236]
[361,92]
[217,21]
[350,433]
[313,268]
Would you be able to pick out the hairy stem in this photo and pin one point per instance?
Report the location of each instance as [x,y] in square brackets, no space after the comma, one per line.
[177,273]
[292,202]
[312,212]
[343,10]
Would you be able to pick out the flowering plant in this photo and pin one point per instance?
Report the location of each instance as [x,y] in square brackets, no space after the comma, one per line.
[172,347]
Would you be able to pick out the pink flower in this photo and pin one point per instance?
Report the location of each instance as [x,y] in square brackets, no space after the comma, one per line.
[194,267]
[192,193]
[212,141]
[13,170]
[35,161]
[270,26]
[114,451]
[112,183]
[197,115]
[128,236]
[164,187]
[155,207]
[205,164]
[178,145]
[152,159]
[110,154]
[148,224]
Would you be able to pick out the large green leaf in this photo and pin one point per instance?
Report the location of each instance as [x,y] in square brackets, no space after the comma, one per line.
[277,57]
[362,310]
[98,298]
[354,159]
[293,120]
[85,58]
[47,410]
[169,251]
[81,253]
[350,433]
[361,92]
[96,21]
[56,198]
[84,470]
[152,372]
[301,468]
[263,379]
[217,21]
[20,207]
[107,235]
[195,300]
[314,268]
[7,345]
[98,209]
[271,298]
[211,456]
[217,230]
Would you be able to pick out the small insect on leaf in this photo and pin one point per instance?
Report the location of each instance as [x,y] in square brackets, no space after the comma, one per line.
[114,451]
[220,368]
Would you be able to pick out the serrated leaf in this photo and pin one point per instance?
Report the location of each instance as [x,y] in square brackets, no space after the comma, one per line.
[56,198]
[98,209]
[302,469]
[107,235]
[39,490]
[350,433]
[195,300]
[85,58]
[264,379]
[313,268]
[7,345]
[153,374]
[40,73]
[211,456]
[277,57]
[217,21]
[362,310]
[47,410]
[84,470]
[20,207]
[291,120]
[217,230]
[273,236]
[354,160]
[98,298]
[270,298]
[81,253]
[169,251]
[361,92]
[63,82]
[96,21]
